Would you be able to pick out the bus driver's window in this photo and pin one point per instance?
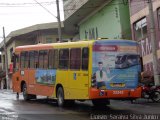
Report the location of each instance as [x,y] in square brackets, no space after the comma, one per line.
[16,62]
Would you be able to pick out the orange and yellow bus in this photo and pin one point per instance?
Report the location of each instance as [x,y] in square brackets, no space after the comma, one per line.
[97,70]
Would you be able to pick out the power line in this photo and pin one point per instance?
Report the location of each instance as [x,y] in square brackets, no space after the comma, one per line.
[53,2]
[69,9]
[45,9]
[47,2]
[26,3]
[60,10]
[40,3]
[74,9]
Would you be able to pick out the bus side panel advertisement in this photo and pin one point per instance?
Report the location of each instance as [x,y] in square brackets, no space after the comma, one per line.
[45,76]
[116,64]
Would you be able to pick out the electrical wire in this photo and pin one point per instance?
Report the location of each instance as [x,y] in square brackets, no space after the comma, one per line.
[26,3]
[40,3]
[65,9]
[47,2]
[45,8]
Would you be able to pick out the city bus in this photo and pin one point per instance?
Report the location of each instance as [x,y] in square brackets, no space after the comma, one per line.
[93,70]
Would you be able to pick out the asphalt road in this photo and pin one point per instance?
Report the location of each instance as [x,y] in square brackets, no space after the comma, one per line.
[42,109]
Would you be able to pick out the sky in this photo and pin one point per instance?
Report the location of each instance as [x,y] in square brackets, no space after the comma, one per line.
[17,14]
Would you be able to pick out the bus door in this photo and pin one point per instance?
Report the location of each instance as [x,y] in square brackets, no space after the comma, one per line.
[78,74]
[15,77]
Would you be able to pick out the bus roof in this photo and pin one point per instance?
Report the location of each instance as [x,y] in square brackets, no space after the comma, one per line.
[54,45]
[84,43]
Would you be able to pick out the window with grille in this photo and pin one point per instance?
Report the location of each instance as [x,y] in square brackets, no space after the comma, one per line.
[140,29]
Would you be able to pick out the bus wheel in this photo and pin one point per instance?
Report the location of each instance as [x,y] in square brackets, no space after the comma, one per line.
[60,97]
[100,102]
[25,94]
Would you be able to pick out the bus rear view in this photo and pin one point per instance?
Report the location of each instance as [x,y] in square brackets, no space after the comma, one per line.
[115,70]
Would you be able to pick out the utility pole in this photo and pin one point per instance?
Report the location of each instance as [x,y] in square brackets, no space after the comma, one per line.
[59,22]
[6,59]
[153,43]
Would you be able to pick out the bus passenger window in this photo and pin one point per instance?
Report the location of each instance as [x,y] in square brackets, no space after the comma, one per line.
[22,59]
[55,59]
[40,61]
[75,58]
[85,58]
[26,60]
[50,59]
[35,59]
[31,59]
[63,58]
[43,59]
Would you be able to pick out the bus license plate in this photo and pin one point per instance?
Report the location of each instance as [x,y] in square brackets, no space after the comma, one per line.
[117,92]
[117,84]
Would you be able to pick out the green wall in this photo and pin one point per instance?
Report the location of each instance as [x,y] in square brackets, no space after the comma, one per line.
[125,21]
[109,22]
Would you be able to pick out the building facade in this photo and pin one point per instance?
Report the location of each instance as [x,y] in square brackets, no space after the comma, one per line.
[1,73]
[40,33]
[92,19]
[140,24]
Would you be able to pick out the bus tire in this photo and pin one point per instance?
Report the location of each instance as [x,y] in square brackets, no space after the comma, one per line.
[100,102]
[60,97]
[26,96]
